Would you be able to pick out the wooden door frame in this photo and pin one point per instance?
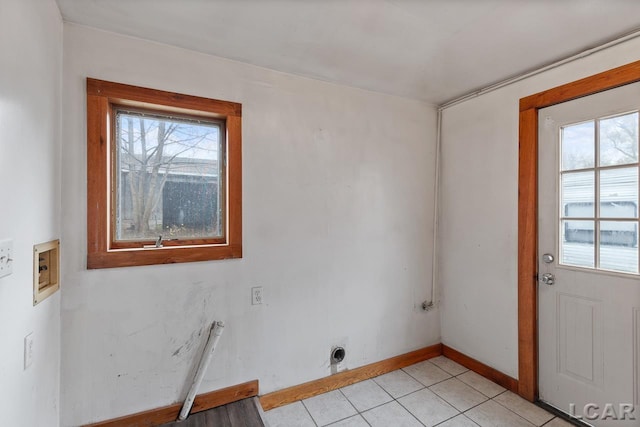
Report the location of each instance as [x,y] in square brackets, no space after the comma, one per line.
[528,210]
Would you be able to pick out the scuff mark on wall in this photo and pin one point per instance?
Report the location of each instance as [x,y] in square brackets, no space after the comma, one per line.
[136,332]
[188,344]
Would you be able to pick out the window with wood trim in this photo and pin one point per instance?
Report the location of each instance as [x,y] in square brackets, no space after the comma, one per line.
[164,177]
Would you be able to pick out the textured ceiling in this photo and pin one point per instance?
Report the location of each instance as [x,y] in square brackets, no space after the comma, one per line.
[432,50]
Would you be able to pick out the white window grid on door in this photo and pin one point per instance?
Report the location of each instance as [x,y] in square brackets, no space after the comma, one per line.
[596,218]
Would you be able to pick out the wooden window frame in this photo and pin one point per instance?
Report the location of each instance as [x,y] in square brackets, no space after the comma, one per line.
[528,209]
[102,99]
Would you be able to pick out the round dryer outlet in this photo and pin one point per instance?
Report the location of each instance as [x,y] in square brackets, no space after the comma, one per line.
[337,355]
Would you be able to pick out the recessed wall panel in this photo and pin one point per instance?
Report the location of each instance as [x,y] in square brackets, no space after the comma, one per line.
[580,338]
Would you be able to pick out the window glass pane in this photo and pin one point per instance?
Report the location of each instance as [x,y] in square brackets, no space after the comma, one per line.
[578,146]
[578,194]
[619,193]
[619,246]
[619,140]
[577,243]
[168,178]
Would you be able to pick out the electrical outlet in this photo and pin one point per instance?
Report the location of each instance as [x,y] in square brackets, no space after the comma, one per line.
[256,295]
[6,257]
[28,350]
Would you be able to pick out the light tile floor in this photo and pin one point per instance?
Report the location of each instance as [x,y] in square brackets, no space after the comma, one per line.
[437,392]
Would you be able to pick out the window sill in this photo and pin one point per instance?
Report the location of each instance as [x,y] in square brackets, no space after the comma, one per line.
[166,255]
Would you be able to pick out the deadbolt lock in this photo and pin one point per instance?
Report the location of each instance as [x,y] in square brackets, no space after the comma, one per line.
[547,258]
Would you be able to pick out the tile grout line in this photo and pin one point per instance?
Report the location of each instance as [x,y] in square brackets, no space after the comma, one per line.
[490,398]
[383,389]
[480,391]
[393,399]
[406,394]
[449,419]
[411,413]
[450,373]
[476,389]
[521,416]
[475,406]
[350,403]
[310,416]
[427,386]
[377,406]
[495,401]
[452,405]
[338,420]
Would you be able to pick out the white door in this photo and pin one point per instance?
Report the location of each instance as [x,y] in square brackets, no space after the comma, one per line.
[589,317]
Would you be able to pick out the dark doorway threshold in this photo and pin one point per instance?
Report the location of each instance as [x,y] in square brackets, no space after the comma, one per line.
[560,414]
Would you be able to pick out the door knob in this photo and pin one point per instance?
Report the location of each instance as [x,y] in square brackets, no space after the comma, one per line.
[547,279]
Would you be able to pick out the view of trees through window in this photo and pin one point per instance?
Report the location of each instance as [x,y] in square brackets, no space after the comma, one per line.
[168,177]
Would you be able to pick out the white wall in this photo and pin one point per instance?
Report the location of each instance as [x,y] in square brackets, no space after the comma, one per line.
[30,82]
[478,235]
[338,198]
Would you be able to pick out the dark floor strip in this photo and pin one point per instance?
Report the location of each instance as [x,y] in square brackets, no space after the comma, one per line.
[558,413]
[242,413]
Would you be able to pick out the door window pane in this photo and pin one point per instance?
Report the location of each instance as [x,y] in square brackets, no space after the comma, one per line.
[619,193]
[577,243]
[578,194]
[619,140]
[619,246]
[599,181]
[578,146]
